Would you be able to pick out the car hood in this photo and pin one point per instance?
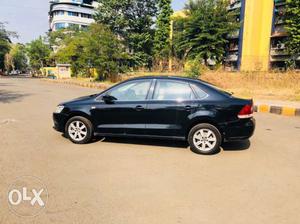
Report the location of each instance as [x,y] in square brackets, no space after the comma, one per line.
[80,99]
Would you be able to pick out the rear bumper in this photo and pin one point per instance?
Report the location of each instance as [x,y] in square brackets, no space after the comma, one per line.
[242,129]
[59,121]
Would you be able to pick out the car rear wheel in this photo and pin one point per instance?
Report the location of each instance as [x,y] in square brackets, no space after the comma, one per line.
[205,139]
[79,130]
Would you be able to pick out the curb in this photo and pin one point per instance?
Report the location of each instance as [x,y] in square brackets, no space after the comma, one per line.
[101,86]
[279,110]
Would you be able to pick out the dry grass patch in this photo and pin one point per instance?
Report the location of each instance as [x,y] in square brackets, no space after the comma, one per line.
[258,85]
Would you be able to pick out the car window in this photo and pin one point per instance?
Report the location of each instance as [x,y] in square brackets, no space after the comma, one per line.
[199,92]
[173,90]
[132,91]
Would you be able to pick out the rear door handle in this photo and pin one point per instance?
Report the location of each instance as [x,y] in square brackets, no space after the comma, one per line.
[139,108]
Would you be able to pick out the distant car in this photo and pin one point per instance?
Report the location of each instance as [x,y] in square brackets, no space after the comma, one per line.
[15,72]
[159,107]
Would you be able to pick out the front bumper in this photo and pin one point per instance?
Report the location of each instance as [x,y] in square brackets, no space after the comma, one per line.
[242,129]
[60,121]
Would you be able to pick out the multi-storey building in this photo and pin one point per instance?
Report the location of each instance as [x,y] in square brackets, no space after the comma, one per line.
[67,13]
[259,44]
[233,58]
[278,53]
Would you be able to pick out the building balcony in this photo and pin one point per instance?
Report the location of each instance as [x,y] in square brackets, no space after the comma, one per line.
[279,31]
[71,8]
[66,1]
[235,5]
[279,22]
[233,48]
[72,19]
[232,58]
[279,3]
[234,1]
[279,58]
[86,2]
[278,52]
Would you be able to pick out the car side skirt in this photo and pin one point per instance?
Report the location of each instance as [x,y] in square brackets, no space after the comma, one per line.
[141,136]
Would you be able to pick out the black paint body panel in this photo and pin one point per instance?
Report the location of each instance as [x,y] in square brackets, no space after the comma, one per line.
[161,119]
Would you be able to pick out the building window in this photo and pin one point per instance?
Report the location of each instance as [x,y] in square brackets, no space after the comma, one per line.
[73,13]
[88,2]
[84,15]
[73,26]
[84,27]
[59,26]
[58,13]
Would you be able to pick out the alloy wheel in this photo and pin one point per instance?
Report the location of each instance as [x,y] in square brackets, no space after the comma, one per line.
[204,140]
[77,131]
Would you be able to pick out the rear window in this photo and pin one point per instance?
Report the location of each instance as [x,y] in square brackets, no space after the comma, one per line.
[199,92]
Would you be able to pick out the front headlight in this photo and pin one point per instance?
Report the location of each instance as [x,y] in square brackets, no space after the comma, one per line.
[59,109]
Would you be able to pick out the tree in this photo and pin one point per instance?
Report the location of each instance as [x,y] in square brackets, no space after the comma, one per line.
[39,54]
[205,29]
[4,43]
[292,20]
[96,48]
[16,59]
[132,21]
[163,29]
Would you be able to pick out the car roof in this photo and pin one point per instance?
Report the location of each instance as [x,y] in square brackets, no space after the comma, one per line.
[179,78]
[208,86]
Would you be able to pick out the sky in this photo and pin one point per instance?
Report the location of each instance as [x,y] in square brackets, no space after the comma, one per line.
[29,18]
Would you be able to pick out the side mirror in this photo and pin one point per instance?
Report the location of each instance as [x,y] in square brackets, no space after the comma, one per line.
[108,99]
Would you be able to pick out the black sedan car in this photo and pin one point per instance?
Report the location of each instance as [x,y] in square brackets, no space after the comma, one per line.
[159,107]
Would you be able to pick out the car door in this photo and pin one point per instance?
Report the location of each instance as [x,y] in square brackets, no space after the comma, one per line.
[168,110]
[125,114]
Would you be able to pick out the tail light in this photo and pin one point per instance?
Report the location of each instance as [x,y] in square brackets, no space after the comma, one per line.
[246,112]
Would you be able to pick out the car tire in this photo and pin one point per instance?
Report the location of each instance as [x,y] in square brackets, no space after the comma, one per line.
[205,139]
[79,130]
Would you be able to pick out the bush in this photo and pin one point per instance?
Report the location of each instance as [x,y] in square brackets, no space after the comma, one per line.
[193,69]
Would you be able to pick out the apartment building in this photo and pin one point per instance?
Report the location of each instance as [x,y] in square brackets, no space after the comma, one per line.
[67,13]
[259,44]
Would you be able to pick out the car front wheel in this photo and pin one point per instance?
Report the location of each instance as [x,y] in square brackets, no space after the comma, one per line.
[205,139]
[79,130]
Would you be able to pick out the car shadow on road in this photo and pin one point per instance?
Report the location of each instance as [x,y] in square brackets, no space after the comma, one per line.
[10,97]
[141,141]
[236,146]
[228,146]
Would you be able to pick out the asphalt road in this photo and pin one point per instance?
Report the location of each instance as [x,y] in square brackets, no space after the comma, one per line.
[132,181]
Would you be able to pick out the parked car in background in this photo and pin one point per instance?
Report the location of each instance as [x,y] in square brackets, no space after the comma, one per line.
[159,107]
[15,72]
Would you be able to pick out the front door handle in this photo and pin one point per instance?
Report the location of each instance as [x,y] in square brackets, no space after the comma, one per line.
[188,108]
[139,108]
